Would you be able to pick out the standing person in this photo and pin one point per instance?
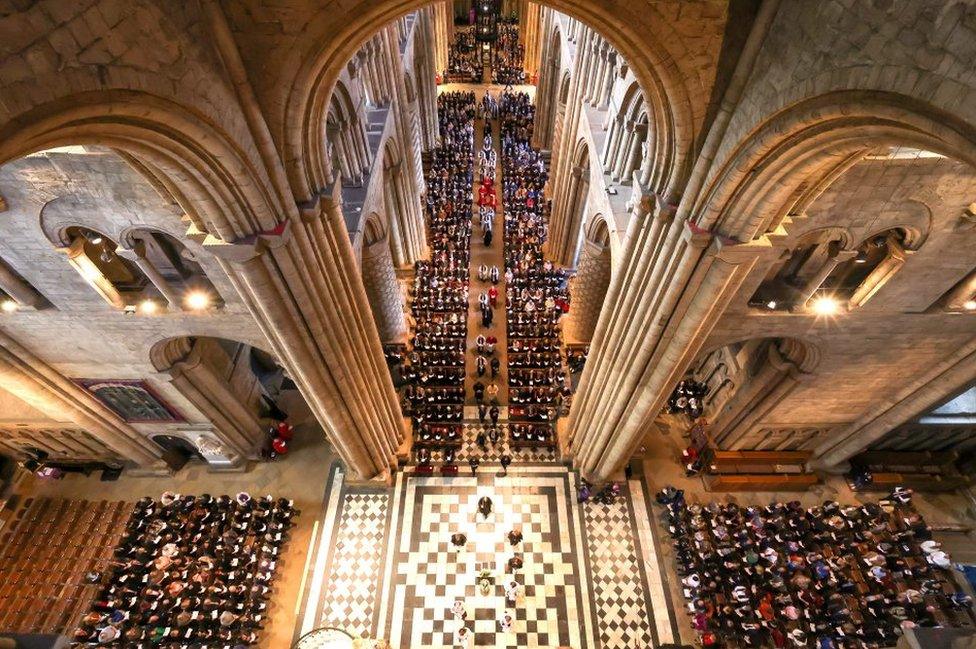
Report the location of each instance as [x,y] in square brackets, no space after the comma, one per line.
[495,366]
[512,592]
[474,463]
[506,459]
[493,413]
[492,392]
[457,610]
[487,238]
[482,412]
[482,365]
[479,391]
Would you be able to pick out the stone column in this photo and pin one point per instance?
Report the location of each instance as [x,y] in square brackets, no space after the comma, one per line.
[834,259]
[672,284]
[237,428]
[568,213]
[383,290]
[41,386]
[302,283]
[19,291]
[607,89]
[138,256]
[589,288]
[931,387]
[613,144]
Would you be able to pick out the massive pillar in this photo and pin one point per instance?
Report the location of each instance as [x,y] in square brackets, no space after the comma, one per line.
[302,283]
[383,290]
[42,387]
[191,372]
[672,283]
[569,209]
[588,290]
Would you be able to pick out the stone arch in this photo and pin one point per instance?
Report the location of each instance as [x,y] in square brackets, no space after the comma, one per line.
[646,52]
[576,201]
[746,380]
[373,230]
[809,145]
[228,385]
[212,178]
[628,136]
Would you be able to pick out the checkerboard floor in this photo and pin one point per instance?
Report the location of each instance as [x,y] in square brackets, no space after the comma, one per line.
[390,570]
[492,452]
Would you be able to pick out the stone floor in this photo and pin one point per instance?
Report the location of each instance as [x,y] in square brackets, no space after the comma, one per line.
[383,565]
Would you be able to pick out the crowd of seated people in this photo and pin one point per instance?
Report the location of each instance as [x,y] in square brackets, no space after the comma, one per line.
[507,56]
[824,577]
[463,65]
[190,572]
[576,358]
[435,398]
[536,291]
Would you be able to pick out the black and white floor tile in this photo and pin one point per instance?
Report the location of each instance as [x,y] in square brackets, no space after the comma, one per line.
[384,567]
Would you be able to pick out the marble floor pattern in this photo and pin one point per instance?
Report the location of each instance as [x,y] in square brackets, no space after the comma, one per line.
[383,565]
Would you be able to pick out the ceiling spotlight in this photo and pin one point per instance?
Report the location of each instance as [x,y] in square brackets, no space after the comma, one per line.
[198,300]
[862,257]
[825,306]
[148,307]
[97,240]
[9,306]
[969,305]
[771,305]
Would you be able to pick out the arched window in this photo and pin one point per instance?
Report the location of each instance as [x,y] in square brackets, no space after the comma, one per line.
[173,269]
[117,279]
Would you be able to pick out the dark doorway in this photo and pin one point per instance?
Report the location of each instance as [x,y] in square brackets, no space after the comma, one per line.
[176,451]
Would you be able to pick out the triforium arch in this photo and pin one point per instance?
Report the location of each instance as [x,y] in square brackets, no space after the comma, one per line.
[570,205]
[635,30]
[403,217]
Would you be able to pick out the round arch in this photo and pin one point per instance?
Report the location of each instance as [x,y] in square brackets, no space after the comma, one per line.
[656,71]
[218,187]
[810,144]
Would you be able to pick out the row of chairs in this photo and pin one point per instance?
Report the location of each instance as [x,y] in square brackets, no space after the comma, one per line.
[46,554]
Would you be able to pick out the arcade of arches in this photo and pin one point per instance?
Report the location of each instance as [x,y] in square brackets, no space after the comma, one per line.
[392,260]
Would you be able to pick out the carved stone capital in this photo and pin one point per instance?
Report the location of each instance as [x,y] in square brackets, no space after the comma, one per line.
[249,247]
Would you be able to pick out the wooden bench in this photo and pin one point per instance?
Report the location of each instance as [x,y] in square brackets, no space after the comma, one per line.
[758,471]
[932,471]
[760,482]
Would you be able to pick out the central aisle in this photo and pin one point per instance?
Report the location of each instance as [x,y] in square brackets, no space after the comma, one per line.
[491,256]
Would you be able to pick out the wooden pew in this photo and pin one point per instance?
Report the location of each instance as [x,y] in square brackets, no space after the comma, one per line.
[933,471]
[758,471]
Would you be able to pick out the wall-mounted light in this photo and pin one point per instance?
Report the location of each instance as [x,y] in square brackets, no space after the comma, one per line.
[969,305]
[771,305]
[861,258]
[9,306]
[148,307]
[197,300]
[825,305]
